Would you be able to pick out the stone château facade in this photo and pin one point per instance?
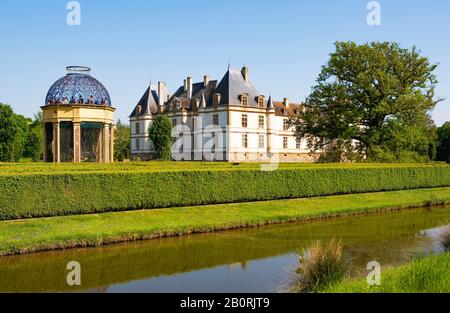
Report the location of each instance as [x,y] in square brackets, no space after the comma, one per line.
[227,120]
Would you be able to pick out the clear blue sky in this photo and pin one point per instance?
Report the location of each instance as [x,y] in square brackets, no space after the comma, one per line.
[129,43]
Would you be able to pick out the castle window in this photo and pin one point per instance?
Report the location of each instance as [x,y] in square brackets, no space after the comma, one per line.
[261,121]
[137,128]
[298,144]
[285,124]
[174,122]
[261,142]
[213,148]
[138,144]
[261,101]
[244,141]
[285,142]
[244,100]
[216,119]
[244,120]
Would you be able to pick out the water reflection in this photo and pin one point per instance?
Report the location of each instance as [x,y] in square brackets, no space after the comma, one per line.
[251,260]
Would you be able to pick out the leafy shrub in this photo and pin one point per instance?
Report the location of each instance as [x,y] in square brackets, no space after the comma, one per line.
[36,190]
[160,133]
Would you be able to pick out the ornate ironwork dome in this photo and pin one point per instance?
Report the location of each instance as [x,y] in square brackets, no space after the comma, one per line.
[78,87]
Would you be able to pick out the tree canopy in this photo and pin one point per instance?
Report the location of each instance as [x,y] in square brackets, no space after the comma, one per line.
[377,94]
[20,137]
[443,145]
[8,130]
[122,144]
[160,134]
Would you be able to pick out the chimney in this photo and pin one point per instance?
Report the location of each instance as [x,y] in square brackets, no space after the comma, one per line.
[185,85]
[244,72]
[286,102]
[161,93]
[189,87]
[205,80]
[203,101]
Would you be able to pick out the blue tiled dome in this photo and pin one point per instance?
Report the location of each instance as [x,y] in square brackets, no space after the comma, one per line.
[78,86]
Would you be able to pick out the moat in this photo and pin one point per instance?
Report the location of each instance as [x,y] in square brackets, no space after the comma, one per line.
[250,260]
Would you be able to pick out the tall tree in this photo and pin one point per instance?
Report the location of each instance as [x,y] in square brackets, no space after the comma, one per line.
[443,146]
[35,142]
[122,144]
[21,136]
[161,135]
[377,94]
[8,129]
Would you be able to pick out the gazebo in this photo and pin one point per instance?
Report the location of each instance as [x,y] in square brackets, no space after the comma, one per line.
[78,119]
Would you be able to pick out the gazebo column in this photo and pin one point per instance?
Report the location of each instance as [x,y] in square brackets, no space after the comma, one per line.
[76,142]
[44,152]
[106,143]
[56,142]
[111,143]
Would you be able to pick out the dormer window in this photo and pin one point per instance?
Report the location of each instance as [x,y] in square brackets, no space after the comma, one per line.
[285,124]
[216,99]
[261,101]
[244,100]
[176,106]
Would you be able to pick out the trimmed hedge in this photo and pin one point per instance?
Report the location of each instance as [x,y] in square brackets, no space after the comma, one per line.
[39,195]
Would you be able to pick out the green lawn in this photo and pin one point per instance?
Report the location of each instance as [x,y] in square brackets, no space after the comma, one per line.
[424,275]
[23,236]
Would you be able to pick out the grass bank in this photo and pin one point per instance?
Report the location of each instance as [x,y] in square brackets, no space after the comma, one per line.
[423,275]
[42,190]
[39,234]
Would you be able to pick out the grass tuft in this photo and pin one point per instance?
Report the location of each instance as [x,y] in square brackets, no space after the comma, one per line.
[423,275]
[321,266]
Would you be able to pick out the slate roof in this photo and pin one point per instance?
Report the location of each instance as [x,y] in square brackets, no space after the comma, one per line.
[233,85]
[230,88]
[148,103]
[281,110]
[198,89]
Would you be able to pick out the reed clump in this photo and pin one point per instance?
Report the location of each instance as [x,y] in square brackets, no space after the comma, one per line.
[321,266]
